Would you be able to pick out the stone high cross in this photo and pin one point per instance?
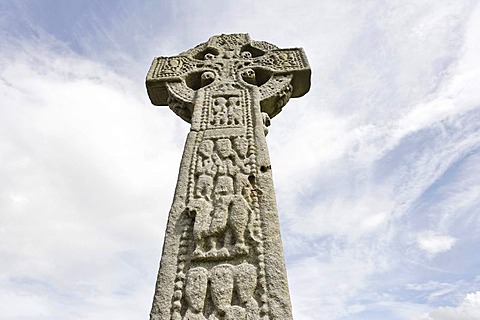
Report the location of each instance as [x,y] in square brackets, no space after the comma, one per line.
[222,256]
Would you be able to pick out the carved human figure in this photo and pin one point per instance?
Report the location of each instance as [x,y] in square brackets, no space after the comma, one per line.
[219,108]
[195,293]
[223,157]
[218,226]
[238,214]
[200,210]
[223,190]
[229,112]
[205,170]
[235,313]
[243,167]
[245,285]
[240,144]
[235,111]
[224,186]
[221,289]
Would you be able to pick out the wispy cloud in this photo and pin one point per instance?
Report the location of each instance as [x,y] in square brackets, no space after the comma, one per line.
[435,243]
[86,179]
[468,309]
[376,168]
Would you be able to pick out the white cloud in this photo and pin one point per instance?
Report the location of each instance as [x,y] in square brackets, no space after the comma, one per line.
[327,285]
[88,171]
[37,305]
[346,217]
[468,309]
[88,166]
[435,243]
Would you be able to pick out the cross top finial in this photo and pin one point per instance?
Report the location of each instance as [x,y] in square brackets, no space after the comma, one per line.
[230,42]
[229,61]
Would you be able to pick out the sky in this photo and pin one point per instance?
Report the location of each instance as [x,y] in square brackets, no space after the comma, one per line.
[376,169]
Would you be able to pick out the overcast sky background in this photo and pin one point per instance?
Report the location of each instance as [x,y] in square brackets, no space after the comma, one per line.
[377,168]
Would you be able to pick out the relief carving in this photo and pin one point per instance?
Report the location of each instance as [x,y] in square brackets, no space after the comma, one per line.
[266,122]
[229,290]
[180,108]
[195,293]
[224,159]
[234,313]
[226,111]
[219,109]
[239,213]
[206,170]
[200,210]
[275,94]
[245,166]
[282,97]
[206,78]
[246,283]
[229,41]
[248,75]
[222,201]
[179,91]
[283,59]
[265,46]
[217,228]
[173,66]
[221,289]
[235,111]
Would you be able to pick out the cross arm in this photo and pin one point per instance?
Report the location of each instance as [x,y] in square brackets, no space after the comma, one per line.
[165,71]
[289,62]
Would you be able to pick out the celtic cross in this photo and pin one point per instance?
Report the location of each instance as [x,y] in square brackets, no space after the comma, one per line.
[222,255]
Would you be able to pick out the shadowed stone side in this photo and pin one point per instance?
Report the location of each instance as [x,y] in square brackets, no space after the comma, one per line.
[222,256]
